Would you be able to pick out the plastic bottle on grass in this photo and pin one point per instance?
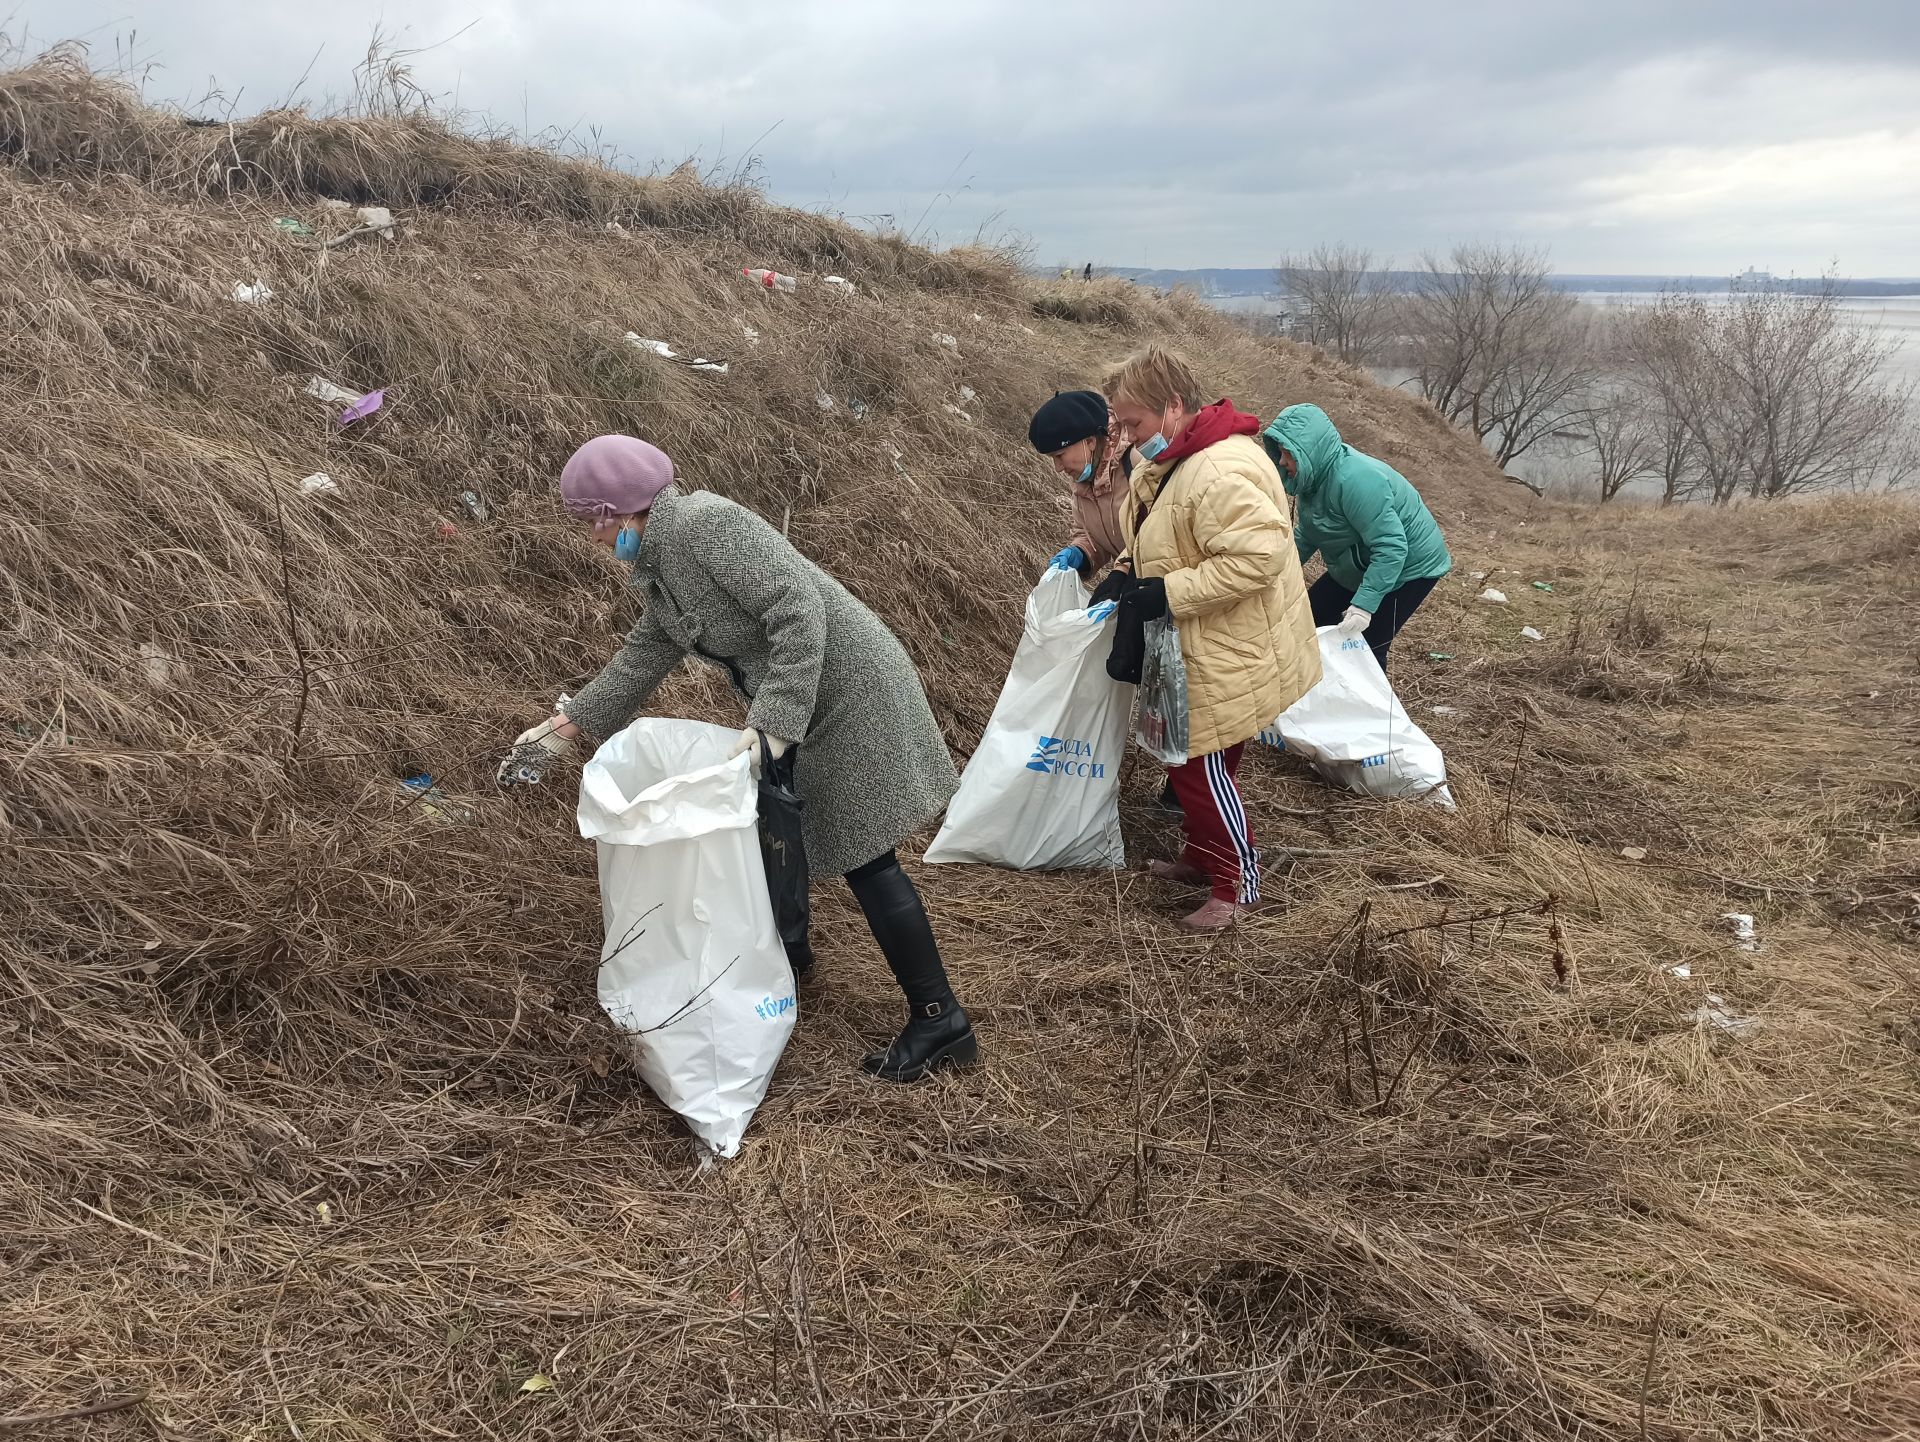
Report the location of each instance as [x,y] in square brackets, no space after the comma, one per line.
[771,279]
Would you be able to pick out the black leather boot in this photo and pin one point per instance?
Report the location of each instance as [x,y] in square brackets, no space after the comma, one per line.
[937,1033]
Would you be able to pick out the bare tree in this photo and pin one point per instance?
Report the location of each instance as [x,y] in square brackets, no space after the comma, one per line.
[1778,393]
[1624,444]
[1496,348]
[1346,300]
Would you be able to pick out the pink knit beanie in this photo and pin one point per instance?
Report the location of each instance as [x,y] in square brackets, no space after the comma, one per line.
[614,476]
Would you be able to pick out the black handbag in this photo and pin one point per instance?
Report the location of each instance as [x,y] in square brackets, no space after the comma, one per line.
[784,852]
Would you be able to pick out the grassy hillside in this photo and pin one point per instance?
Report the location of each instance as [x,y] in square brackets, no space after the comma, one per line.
[310,1126]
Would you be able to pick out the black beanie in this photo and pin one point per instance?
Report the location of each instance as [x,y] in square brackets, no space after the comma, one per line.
[1070,416]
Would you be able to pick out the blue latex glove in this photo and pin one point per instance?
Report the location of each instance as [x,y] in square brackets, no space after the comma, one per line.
[1071,559]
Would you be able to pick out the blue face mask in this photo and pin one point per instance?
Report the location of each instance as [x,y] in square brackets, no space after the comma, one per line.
[1086,473]
[626,545]
[1151,447]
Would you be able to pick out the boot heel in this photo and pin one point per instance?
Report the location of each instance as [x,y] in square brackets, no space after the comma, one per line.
[961,1051]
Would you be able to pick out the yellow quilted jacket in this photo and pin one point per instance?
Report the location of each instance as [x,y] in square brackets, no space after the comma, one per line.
[1218,528]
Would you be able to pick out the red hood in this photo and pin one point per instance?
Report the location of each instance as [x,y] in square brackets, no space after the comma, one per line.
[1210,424]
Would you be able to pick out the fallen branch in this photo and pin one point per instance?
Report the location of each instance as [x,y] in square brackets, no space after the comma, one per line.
[112,1404]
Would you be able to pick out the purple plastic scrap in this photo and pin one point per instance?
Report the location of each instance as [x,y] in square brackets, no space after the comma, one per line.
[364,407]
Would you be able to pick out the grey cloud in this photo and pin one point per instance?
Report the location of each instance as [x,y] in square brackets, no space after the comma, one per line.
[1133,133]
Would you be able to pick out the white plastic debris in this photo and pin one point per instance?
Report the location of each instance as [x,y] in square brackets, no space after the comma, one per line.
[979,317]
[1682,970]
[1531,634]
[841,284]
[331,394]
[823,400]
[253,294]
[1478,575]
[379,218]
[1444,710]
[770,279]
[1720,1016]
[329,203]
[158,663]
[858,409]
[968,394]
[1744,935]
[1498,598]
[1028,329]
[953,410]
[319,484]
[475,505]
[752,335]
[940,337]
[1634,853]
[667,352]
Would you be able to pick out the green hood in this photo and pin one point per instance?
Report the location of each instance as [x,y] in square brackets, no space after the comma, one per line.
[1308,434]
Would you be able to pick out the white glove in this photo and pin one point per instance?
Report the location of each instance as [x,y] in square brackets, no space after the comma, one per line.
[749,742]
[534,750]
[1353,623]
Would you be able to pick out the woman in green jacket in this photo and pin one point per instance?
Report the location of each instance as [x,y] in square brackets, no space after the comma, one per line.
[1383,549]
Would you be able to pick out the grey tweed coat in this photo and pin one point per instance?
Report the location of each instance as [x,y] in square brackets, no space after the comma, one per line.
[815,666]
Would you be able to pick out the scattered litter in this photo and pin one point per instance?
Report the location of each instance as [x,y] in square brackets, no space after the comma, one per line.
[1478,575]
[1498,598]
[1439,655]
[1634,853]
[333,395]
[292,226]
[253,294]
[158,663]
[1531,634]
[1682,970]
[323,1210]
[1546,586]
[537,1383]
[953,410]
[841,284]
[378,219]
[1028,329]
[1744,935]
[447,529]
[616,227]
[858,409]
[770,279]
[667,352]
[979,317]
[823,400]
[319,484]
[967,393]
[752,335]
[433,801]
[1444,710]
[364,407]
[331,204]
[1722,1017]
[475,506]
[905,475]
[940,337]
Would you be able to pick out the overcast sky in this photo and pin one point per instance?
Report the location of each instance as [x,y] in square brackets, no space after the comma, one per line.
[1642,136]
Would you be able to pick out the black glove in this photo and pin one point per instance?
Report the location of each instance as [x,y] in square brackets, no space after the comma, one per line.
[1110,588]
[1148,598]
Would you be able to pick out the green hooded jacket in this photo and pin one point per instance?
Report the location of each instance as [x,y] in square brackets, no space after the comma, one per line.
[1361,514]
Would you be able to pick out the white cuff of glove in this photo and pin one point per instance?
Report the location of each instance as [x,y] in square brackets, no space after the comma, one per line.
[749,742]
[1354,622]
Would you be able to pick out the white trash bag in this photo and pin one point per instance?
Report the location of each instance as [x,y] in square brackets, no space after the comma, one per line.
[692,969]
[1042,792]
[1355,732]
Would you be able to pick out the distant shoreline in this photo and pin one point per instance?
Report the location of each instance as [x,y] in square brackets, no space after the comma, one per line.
[1231,283]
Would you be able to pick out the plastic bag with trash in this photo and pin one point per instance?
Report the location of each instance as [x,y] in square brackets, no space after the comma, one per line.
[783,852]
[692,968]
[1355,732]
[1161,724]
[1042,791]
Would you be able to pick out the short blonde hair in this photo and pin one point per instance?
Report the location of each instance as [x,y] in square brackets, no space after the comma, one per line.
[1156,377]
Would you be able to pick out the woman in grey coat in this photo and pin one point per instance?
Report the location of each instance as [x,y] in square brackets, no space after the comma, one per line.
[818,671]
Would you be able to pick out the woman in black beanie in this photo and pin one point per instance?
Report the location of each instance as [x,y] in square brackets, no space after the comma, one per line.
[1074,431]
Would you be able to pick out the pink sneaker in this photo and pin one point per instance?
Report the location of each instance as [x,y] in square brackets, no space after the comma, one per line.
[1216,915]
[1179,872]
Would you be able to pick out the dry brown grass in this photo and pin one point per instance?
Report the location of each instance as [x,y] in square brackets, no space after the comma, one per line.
[309,1124]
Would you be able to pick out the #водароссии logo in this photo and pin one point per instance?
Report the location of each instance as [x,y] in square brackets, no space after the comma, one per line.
[1064,756]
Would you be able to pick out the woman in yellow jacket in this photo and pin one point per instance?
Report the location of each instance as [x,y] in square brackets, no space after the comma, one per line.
[1211,536]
